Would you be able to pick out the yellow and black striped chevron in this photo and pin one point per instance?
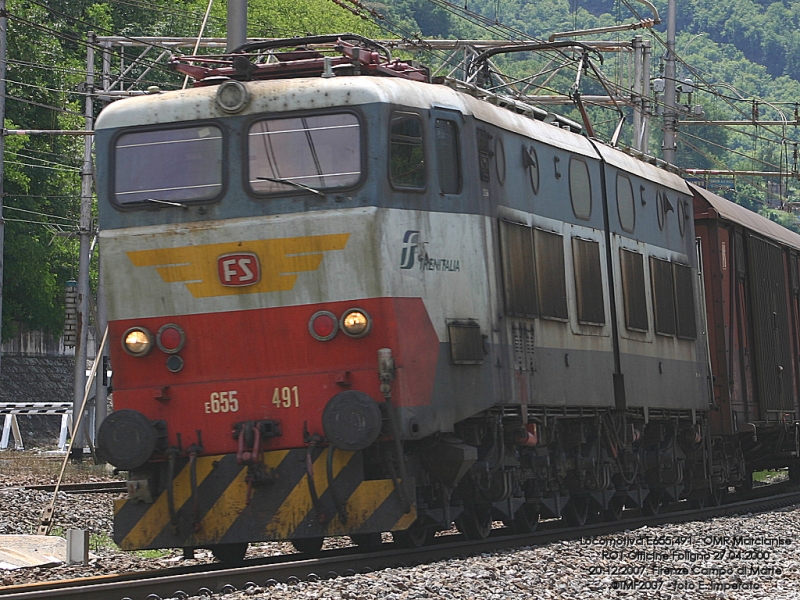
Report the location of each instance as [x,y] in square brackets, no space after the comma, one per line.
[227,507]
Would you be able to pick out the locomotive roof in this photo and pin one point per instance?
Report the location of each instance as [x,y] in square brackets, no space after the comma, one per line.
[748,219]
[284,95]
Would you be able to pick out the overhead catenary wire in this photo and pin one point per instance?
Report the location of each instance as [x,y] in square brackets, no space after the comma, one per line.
[38,213]
[485,22]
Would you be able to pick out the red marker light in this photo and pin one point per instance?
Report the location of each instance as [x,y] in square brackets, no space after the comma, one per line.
[170,338]
[323,325]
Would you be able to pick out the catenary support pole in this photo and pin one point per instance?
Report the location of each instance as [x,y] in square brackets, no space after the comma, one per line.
[3,52]
[83,261]
[237,24]
[670,108]
[638,92]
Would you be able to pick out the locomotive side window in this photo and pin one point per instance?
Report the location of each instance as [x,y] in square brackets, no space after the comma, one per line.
[319,152]
[625,205]
[684,301]
[168,165]
[448,158]
[406,152]
[551,280]
[663,296]
[588,282]
[580,188]
[500,161]
[518,269]
[633,293]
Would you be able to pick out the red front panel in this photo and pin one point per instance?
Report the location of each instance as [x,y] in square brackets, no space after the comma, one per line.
[264,364]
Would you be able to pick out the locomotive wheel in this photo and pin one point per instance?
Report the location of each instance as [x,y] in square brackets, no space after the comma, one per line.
[475,523]
[413,537]
[614,510]
[794,471]
[651,505]
[576,512]
[526,519]
[308,545]
[367,540]
[229,553]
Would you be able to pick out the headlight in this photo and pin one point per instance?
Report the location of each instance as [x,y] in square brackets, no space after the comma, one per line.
[356,323]
[137,341]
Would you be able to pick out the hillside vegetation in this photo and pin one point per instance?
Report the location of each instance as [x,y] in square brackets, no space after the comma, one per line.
[741,55]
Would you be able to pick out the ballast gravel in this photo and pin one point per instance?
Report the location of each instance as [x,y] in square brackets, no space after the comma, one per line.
[751,556]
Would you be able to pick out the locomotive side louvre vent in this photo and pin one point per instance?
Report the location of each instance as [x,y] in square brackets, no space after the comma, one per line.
[588,282]
[633,292]
[519,275]
[466,342]
[551,277]
[684,301]
[663,296]
[793,275]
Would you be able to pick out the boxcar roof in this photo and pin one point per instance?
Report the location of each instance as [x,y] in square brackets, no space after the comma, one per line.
[730,211]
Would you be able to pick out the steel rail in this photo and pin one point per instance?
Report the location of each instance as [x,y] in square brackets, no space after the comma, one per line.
[207,579]
[81,488]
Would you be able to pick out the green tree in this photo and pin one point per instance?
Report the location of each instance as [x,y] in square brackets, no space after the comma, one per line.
[41,173]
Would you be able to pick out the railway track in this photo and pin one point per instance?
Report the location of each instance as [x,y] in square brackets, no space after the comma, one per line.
[92,487]
[201,580]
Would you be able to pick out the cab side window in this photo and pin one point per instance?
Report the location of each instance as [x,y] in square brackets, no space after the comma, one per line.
[448,156]
[406,152]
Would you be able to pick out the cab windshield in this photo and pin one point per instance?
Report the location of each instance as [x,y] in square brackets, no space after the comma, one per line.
[317,152]
[169,166]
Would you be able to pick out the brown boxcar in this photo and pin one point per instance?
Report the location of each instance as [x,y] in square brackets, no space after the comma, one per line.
[752,291]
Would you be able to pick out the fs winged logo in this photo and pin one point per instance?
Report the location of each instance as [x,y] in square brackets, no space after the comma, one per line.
[250,267]
[239,269]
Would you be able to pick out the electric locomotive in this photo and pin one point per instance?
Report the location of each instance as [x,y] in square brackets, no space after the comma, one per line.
[346,300]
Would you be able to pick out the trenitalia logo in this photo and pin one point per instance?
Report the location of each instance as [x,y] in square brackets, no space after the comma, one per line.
[247,267]
[415,254]
[410,243]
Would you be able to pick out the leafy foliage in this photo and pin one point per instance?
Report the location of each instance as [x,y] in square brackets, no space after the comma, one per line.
[735,51]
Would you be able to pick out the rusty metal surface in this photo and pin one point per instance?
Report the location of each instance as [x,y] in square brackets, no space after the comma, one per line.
[748,219]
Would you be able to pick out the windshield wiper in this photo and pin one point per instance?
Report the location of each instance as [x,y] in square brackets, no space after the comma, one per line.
[167,202]
[294,183]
